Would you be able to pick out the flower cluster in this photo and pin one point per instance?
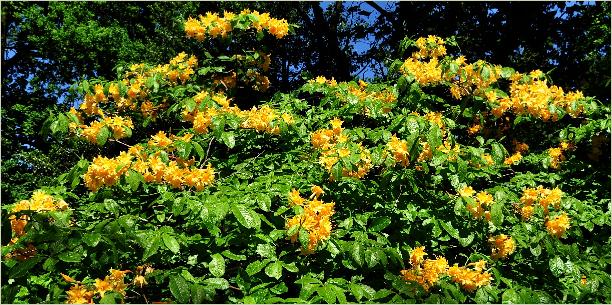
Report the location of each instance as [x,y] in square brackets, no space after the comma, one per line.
[477,205]
[105,171]
[541,196]
[544,198]
[530,94]
[213,25]
[39,202]
[399,149]
[119,127]
[474,129]
[556,154]
[207,106]
[321,80]
[472,78]
[519,149]
[315,218]
[177,173]
[485,160]
[427,272]
[80,293]
[425,72]
[470,279]
[335,146]
[502,246]
[264,119]
[432,46]
[131,94]
[558,225]
[368,99]
[373,100]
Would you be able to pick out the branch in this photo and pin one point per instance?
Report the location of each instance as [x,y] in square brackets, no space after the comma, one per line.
[382,11]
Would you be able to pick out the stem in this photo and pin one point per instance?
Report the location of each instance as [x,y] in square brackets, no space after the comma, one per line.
[208,149]
[115,140]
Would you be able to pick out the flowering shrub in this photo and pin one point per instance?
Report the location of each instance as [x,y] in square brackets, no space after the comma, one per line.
[196,198]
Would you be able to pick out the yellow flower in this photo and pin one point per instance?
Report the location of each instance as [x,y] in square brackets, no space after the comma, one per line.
[470,280]
[102,286]
[474,129]
[317,191]
[287,118]
[295,198]
[558,225]
[78,294]
[502,246]
[467,191]
[484,198]
[344,152]
[67,278]
[336,125]
[513,159]
[416,256]
[140,281]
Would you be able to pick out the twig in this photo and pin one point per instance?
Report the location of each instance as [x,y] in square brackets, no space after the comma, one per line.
[208,149]
[115,140]
[235,288]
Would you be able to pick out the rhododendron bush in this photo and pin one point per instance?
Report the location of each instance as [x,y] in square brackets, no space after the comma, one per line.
[448,181]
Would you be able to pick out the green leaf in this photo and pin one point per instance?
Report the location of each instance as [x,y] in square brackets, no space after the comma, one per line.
[357,253]
[556,265]
[217,265]
[198,149]
[201,294]
[245,216]
[372,257]
[380,223]
[497,215]
[536,251]
[179,289]
[266,250]
[448,227]
[357,291]
[497,152]
[70,257]
[92,239]
[506,72]
[183,149]
[291,267]
[111,297]
[304,238]
[171,243]
[150,245]
[217,283]
[228,139]
[327,293]
[275,270]
[510,296]
[232,256]
[103,136]
[21,268]
[133,178]
[264,202]
[466,241]
[256,266]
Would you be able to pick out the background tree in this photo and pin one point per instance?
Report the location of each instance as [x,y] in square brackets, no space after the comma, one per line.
[48,46]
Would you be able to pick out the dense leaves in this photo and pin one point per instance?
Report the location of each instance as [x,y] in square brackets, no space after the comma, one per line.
[394,191]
